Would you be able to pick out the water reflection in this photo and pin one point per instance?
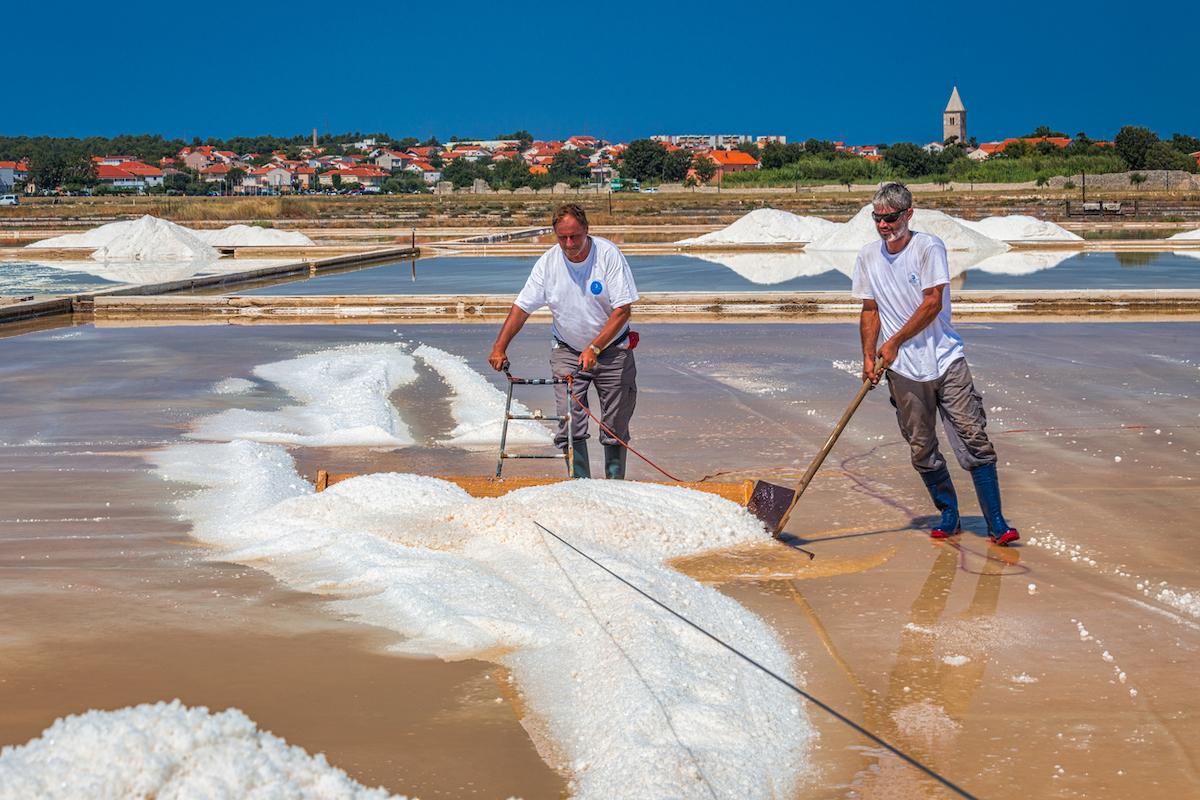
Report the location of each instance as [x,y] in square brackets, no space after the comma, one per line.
[64,277]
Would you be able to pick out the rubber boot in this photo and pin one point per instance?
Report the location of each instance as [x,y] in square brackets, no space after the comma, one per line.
[614,462]
[987,489]
[580,467]
[941,490]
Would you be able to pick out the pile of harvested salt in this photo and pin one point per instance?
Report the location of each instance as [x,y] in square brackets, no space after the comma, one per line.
[861,229]
[168,750]
[254,236]
[1020,228]
[1187,235]
[145,239]
[767,226]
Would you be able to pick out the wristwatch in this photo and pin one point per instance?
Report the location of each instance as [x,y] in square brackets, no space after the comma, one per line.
[594,349]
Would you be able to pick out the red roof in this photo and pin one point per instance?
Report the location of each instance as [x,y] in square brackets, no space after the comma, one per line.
[215,169]
[108,171]
[16,166]
[361,172]
[138,168]
[731,158]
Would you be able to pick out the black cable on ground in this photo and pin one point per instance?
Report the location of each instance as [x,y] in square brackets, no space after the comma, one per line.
[819,704]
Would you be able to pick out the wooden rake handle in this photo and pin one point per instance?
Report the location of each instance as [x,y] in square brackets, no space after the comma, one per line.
[819,459]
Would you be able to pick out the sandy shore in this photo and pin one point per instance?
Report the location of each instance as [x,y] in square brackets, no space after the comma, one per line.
[1057,669]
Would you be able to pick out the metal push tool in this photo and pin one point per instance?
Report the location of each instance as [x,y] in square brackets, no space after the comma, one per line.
[773,504]
[568,454]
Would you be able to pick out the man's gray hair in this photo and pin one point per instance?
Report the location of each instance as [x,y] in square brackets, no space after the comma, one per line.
[895,196]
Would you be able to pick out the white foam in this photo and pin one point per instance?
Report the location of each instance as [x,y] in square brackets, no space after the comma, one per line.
[344,395]
[478,406]
[767,226]
[1020,228]
[233,386]
[171,752]
[253,236]
[860,229]
[635,703]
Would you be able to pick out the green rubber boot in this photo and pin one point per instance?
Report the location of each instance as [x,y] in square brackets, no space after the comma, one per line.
[580,468]
[614,462]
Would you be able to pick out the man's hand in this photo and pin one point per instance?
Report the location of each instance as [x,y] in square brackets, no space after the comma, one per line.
[886,356]
[587,360]
[868,372]
[497,359]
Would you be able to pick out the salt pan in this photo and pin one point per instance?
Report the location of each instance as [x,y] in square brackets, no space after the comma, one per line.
[1020,228]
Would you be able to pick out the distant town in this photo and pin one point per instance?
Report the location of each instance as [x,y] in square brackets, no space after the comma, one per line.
[356,164]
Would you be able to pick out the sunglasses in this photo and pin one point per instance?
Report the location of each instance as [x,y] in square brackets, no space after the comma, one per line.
[892,217]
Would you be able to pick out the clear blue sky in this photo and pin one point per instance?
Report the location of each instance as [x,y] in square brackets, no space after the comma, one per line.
[860,72]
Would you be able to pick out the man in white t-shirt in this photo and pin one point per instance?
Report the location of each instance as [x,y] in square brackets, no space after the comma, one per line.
[587,283]
[904,283]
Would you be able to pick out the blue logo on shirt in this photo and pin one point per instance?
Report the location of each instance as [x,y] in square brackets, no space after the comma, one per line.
[912,278]
[597,287]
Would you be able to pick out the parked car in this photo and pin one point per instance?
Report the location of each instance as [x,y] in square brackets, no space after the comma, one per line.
[10,200]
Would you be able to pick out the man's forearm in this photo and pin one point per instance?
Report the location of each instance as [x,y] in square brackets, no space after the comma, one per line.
[868,327]
[616,321]
[512,325]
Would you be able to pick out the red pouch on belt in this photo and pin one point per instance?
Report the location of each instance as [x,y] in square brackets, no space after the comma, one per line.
[634,338]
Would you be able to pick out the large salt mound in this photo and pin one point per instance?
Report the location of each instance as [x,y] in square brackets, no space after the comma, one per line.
[145,239]
[767,226]
[1020,228]
[860,229]
[254,236]
[170,752]
[1187,235]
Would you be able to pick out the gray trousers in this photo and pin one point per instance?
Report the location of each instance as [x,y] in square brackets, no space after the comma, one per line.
[953,396]
[615,379]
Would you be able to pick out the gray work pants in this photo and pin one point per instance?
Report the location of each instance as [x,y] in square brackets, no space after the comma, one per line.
[953,396]
[615,379]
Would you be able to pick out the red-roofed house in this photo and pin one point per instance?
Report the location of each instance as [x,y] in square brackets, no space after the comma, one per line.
[366,177]
[428,172]
[215,173]
[12,172]
[152,176]
[730,161]
[268,178]
[393,160]
[119,178]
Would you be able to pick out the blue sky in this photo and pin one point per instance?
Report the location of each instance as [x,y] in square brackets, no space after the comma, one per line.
[862,73]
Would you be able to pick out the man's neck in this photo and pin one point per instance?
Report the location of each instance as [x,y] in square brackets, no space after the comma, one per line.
[583,253]
[899,244]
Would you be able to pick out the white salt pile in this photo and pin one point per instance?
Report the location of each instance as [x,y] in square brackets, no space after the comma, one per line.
[463,577]
[254,236]
[344,400]
[767,226]
[860,229]
[478,407]
[145,239]
[1187,235]
[168,751]
[769,268]
[1020,228]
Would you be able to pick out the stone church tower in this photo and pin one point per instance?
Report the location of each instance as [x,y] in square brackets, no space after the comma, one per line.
[954,118]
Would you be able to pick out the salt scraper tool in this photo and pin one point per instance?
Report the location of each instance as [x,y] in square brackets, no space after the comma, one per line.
[773,504]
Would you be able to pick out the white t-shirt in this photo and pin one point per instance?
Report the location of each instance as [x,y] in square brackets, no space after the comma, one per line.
[896,283]
[581,296]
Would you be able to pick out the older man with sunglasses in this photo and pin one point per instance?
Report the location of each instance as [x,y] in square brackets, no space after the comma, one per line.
[588,286]
[904,283]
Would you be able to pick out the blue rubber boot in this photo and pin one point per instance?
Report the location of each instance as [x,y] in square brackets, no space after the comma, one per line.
[614,461]
[941,490]
[987,488]
[580,467]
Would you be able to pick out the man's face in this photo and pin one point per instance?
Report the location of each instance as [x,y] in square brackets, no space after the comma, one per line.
[572,237]
[890,224]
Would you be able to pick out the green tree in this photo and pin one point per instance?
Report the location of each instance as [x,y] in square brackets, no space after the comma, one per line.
[643,160]
[1132,143]
[1042,131]
[1161,155]
[337,182]
[1185,144]
[909,160]
[775,155]
[523,136]
[820,147]
[1137,178]
[676,165]
[705,167]
[751,148]
[569,166]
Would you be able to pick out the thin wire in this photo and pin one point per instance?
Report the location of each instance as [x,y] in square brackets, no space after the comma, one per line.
[819,704]
[632,665]
[606,429]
